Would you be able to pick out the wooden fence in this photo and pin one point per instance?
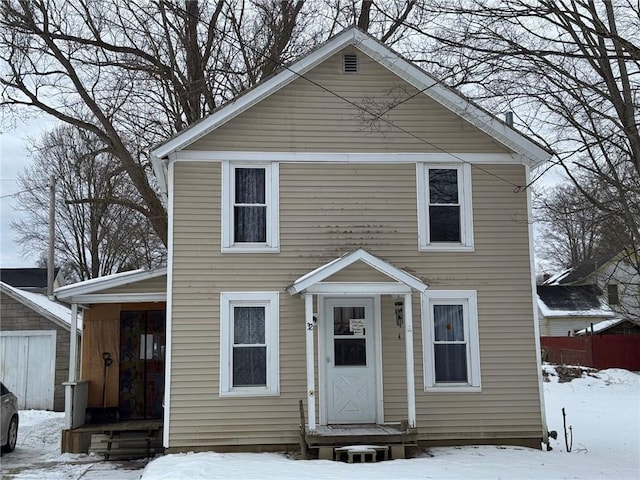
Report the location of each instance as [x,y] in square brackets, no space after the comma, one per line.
[597,351]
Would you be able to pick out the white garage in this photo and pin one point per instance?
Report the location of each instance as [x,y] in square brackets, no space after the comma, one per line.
[34,347]
[28,368]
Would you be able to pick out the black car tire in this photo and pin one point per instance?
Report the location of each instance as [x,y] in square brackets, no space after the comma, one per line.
[12,435]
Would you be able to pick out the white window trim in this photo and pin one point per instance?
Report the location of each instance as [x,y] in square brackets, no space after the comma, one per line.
[270,300]
[466,210]
[272,187]
[468,298]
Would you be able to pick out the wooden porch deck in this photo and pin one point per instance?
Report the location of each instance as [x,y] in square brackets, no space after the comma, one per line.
[328,439]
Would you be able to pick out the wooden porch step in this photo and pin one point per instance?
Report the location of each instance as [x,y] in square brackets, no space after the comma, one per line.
[335,442]
[126,444]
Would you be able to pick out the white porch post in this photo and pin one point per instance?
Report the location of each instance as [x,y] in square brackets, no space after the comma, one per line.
[408,338]
[73,361]
[311,394]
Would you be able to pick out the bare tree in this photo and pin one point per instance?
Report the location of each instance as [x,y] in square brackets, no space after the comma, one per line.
[134,73]
[569,69]
[92,238]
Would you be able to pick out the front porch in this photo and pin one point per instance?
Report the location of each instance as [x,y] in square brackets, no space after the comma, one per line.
[389,441]
[347,417]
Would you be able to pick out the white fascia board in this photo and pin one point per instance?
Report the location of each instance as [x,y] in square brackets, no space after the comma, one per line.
[110,281]
[325,271]
[354,288]
[260,92]
[150,297]
[347,157]
[453,101]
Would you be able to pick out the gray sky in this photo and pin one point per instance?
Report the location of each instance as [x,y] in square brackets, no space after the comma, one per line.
[14,157]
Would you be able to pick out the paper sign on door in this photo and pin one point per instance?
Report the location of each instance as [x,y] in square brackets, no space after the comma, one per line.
[356,325]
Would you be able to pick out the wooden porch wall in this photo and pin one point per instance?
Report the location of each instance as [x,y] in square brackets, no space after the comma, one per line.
[101,333]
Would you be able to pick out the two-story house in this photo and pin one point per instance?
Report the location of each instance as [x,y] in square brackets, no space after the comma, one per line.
[352,234]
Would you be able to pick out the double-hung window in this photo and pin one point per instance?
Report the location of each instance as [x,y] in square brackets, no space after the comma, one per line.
[445,220]
[250,207]
[249,343]
[450,341]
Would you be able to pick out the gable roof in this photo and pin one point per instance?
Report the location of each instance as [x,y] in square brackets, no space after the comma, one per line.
[581,271]
[328,269]
[26,278]
[82,291]
[572,301]
[531,151]
[39,303]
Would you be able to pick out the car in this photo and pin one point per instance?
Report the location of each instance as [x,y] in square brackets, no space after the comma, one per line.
[9,419]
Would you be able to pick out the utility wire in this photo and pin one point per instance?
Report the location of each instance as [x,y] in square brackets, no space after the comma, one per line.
[377,116]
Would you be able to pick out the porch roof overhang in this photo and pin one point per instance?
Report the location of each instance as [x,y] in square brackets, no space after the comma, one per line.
[312,282]
[96,290]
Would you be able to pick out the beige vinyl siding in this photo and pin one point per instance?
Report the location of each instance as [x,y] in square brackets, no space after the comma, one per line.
[325,211]
[304,117]
[152,285]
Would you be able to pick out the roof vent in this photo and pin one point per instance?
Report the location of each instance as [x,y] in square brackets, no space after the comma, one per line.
[350,63]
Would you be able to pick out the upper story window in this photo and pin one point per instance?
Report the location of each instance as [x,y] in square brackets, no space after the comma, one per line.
[250,207]
[445,220]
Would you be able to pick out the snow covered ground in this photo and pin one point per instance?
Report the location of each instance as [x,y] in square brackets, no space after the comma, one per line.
[37,454]
[603,409]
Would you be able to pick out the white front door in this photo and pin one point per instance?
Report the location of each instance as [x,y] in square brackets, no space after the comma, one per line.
[351,363]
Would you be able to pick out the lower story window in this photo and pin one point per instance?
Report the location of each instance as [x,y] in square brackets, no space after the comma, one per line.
[450,340]
[249,343]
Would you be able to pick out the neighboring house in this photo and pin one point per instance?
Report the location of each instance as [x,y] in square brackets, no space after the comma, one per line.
[34,350]
[31,279]
[615,326]
[563,310]
[615,274]
[375,263]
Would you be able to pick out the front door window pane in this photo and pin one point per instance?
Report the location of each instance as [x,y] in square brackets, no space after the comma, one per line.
[342,317]
[347,324]
[350,352]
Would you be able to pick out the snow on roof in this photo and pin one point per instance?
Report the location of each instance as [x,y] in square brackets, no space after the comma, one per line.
[39,302]
[601,326]
[557,278]
[572,301]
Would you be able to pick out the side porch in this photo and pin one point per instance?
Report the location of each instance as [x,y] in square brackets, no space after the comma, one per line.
[115,406]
